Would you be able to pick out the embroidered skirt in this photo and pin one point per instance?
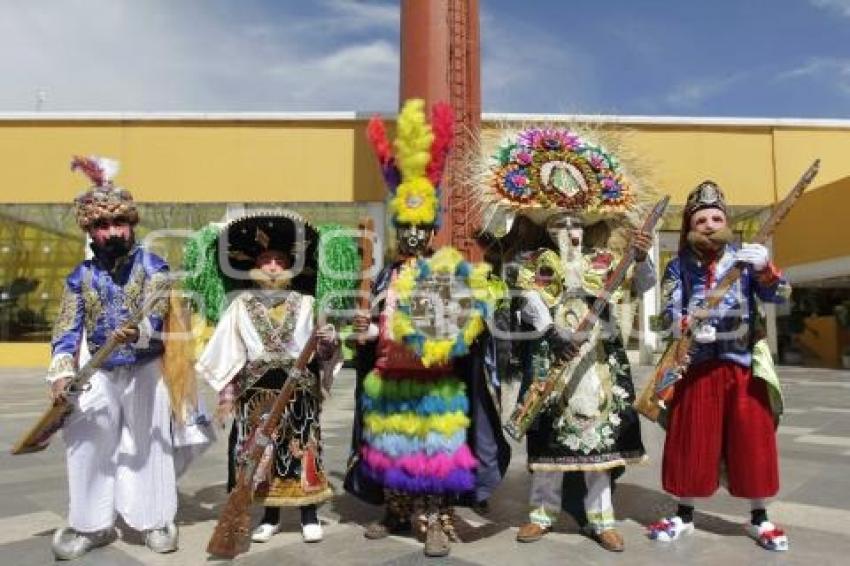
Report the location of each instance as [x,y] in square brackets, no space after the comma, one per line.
[295,474]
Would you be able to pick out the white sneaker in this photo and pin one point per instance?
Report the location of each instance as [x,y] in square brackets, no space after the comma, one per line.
[670,529]
[264,532]
[768,536]
[312,532]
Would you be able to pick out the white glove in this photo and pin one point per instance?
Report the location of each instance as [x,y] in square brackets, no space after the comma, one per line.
[705,333]
[535,312]
[754,254]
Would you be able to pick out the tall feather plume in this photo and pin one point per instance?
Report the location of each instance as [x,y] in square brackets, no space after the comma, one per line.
[413,140]
[109,167]
[90,168]
[100,170]
[442,124]
[377,134]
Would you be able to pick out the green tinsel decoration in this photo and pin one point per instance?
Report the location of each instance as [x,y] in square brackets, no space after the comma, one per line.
[200,261]
[338,254]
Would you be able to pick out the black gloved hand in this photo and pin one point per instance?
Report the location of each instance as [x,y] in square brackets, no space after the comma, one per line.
[561,342]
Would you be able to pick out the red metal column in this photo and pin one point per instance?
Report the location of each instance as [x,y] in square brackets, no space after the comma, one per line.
[424,50]
[440,60]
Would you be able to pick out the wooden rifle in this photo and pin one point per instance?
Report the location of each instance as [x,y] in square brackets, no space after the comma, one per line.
[674,362]
[37,438]
[231,535]
[364,296]
[539,392]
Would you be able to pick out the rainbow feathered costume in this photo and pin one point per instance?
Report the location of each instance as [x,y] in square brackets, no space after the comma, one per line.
[418,395]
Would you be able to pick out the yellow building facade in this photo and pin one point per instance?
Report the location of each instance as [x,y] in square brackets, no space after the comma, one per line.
[188,169]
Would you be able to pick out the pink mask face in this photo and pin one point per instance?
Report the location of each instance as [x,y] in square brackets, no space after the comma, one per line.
[104,229]
[272,262]
[708,221]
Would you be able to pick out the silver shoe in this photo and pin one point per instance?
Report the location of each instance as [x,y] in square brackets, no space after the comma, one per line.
[69,544]
[162,540]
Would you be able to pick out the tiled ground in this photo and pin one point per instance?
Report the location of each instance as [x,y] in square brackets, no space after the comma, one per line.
[814,504]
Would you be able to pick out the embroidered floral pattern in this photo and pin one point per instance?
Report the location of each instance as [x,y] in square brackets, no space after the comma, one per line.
[589,423]
[275,337]
[92,302]
[135,287]
[158,283]
[62,365]
[66,318]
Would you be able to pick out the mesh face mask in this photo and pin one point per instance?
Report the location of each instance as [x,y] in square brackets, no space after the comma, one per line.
[413,240]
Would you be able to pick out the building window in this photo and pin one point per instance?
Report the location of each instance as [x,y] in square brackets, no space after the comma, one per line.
[40,244]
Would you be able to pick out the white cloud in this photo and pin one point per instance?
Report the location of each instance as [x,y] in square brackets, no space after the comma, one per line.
[527,69]
[691,94]
[367,74]
[831,70]
[842,6]
[366,14]
[160,55]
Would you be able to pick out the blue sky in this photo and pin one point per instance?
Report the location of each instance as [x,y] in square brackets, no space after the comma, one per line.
[771,58]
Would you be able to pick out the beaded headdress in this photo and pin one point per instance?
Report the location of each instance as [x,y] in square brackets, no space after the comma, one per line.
[103,200]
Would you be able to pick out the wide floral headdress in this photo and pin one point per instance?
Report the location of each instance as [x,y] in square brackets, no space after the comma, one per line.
[541,171]
[103,200]
[413,172]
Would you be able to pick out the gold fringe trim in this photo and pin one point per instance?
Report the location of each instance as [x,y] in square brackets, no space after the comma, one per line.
[588,467]
[289,493]
[178,361]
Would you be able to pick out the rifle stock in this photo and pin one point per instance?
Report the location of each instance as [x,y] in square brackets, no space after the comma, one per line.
[673,363]
[539,392]
[38,436]
[230,537]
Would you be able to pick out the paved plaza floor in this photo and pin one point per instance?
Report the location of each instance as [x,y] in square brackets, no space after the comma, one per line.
[813,505]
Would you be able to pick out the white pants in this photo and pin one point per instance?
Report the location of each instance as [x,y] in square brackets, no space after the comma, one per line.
[119,451]
[545,499]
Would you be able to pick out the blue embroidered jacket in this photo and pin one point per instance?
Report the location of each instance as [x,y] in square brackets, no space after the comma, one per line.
[684,285]
[97,301]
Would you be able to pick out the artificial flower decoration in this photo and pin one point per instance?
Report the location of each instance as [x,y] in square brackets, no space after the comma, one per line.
[557,168]
[543,272]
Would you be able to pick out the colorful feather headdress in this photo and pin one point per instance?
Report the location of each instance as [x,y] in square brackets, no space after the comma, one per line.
[413,173]
[540,171]
[103,199]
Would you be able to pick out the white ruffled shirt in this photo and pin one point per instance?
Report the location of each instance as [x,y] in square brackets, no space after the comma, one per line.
[236,342]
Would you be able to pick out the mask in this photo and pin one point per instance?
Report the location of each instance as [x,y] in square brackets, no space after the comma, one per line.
[565,230]
[413,240]
[267,282]
[710,243]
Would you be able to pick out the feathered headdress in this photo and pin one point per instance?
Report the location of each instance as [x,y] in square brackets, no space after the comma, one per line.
[413,173]
[103,199]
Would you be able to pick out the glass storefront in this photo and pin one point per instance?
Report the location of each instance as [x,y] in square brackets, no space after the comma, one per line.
[40,244]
